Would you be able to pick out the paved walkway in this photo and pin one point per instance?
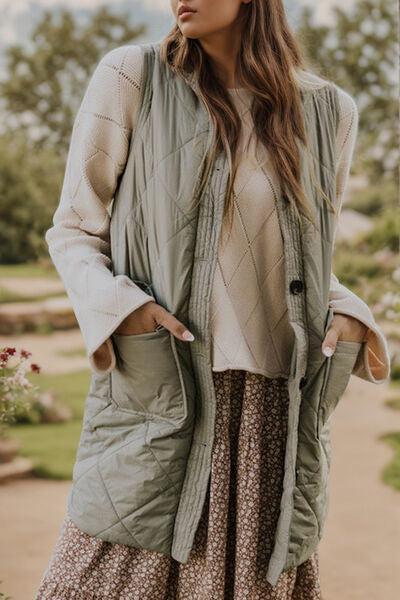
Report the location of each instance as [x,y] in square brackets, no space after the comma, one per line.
[48,349]
[31,511]
[360,558]
[359,551]
[33,286]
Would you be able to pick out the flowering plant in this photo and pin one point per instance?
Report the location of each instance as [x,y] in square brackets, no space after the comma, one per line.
[16,391]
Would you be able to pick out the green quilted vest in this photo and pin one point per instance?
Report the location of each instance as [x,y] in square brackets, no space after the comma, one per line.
[143,461]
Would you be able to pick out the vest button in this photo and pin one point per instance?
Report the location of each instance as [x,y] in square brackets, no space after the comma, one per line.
[302,382]
[296,286]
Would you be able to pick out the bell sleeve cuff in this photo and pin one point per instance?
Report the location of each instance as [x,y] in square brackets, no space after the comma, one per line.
[373,360]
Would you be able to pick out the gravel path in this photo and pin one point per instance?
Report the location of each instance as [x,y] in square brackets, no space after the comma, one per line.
[33,286]
[360,557]
[48,349]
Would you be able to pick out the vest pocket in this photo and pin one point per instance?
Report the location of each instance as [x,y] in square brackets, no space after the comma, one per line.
[338,369]
[149,378]
[98,397]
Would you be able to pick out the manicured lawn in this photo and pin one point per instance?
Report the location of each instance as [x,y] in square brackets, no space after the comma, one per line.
[72,353]
[52,447]
[391,473]
[393,403]
[28,270]
[7,296]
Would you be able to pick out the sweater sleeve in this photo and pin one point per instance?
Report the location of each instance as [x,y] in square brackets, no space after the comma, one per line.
[373,361]
[78,241]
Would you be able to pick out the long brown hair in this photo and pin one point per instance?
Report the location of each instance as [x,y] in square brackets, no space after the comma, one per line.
[267,61]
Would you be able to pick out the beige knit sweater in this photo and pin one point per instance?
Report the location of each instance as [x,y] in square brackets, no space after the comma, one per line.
[250,329]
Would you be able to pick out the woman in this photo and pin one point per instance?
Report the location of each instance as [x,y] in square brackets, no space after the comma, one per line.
[238,51]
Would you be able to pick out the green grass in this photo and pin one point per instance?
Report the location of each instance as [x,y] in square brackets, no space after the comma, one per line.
[39,270]
[4,596]
[52,446]
[9,296]
[391,473]
[72,353]
[28,270]
[395,372]
[393,403]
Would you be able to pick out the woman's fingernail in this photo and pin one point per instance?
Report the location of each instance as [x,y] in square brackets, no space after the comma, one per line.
[188,336]
[328,350]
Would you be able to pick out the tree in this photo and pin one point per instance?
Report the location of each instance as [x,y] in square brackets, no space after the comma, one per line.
[360,54]
[45,79]
[29,188]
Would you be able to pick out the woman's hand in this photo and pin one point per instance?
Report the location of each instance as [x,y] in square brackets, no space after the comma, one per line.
[146,318]
[343,327]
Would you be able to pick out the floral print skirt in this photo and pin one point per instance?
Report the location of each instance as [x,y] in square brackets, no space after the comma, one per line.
[235,535]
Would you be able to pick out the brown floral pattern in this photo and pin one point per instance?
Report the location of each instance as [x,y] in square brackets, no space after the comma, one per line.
[234,539]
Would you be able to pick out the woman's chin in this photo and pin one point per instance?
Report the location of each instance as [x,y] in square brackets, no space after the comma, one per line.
[190,31]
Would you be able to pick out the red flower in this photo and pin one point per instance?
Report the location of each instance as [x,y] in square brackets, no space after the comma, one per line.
[25,353]
[4,357]
[35,368]
[10,351]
